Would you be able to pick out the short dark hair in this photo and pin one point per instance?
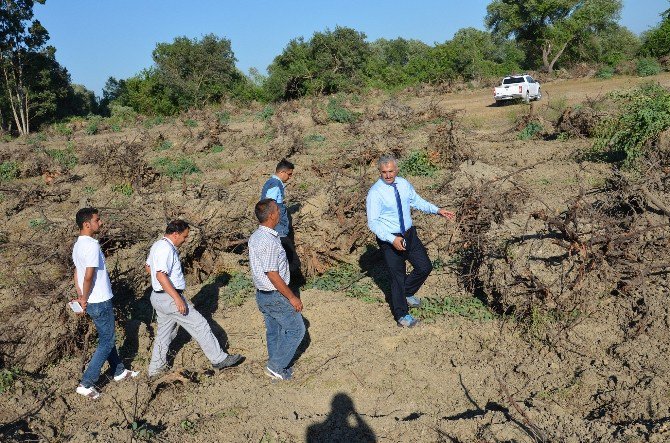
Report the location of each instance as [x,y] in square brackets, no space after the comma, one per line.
[284,165]
[177,226]
[84,215]
[263,209]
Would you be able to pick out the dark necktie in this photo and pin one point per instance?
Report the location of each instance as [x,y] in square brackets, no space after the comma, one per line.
[397,200]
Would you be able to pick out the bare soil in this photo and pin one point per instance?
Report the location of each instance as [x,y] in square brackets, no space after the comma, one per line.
[460,376]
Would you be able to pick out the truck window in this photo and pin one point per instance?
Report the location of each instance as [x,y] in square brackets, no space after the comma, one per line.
[512,80]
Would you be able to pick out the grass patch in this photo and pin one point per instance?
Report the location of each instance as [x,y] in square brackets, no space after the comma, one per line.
[123,189]
[176,167]
[66,158]
[9,170]
[338,113]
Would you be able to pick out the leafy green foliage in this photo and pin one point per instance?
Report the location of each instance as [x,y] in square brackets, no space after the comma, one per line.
[63,129]
[647,66]
[531,130]
[318,138]
[177,167]
[338,113]
[9,170]
[606,72]
[417,164]
[641,116]
[546,29]
[7,378]
[164,145]
[469,307]
[330,62]
[344,278]
[66,158]
[238,289]
[656,41]
[123,189]
[217,149]
[266,113]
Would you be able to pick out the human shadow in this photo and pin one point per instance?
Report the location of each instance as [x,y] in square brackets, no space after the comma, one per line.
[130,314]
[372,263]
[304,344]
[206,302]
[343,424]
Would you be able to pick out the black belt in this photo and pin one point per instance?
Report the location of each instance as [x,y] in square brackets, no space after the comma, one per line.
[180,291]
[266,292]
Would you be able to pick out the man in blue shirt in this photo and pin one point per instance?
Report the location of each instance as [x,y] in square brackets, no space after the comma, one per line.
[274,189]
[388,209]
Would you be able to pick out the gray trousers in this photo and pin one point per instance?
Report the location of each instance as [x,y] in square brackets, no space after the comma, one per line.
[168,320]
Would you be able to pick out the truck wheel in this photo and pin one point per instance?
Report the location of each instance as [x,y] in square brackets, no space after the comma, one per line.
[539,95]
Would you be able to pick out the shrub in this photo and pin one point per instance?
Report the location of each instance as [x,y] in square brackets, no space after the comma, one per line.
[217,148]
[176,168]
[66,158]
[530,131]
[266,113]
[164,145]
[418,164]
[124,114]
[92,127]
[223,117]
[647,66]
[316,138]
[123,189]
[338,113]
[63,129]
[605,72]
[9,170]
[190,123]
[641,116]
[237,290]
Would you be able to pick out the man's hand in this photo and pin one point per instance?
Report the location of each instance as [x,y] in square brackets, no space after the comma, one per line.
[181,305]
[446,214]
[82,303]
[296,303]
[398,243]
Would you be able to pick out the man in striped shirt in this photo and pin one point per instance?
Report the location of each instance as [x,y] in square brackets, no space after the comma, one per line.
[280,307]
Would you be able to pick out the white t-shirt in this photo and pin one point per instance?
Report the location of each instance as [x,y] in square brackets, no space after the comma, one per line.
[87,254]
[163,257]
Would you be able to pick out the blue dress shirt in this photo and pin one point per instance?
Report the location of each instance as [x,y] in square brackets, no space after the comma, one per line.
[382,209]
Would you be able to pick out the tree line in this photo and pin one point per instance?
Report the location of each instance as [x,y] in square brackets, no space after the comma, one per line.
[192,73]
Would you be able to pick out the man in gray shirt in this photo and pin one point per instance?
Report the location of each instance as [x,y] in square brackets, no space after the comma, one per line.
[280,307]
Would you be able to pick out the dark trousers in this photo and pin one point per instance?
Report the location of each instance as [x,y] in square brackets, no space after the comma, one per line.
[297,279]
[403,285]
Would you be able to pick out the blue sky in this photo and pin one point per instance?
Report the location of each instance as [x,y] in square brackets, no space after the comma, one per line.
[96,39]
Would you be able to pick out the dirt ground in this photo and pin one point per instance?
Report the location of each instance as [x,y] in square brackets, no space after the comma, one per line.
[465,376]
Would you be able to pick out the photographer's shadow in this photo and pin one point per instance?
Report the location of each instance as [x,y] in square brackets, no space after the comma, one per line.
[343,424]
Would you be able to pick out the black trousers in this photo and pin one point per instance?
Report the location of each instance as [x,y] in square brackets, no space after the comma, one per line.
[403,285]
[297,279]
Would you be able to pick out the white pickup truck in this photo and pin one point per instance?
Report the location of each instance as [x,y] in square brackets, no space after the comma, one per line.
[516,87]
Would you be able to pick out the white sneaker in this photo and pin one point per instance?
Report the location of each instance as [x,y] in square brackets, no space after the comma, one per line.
[91,392]
[127,373]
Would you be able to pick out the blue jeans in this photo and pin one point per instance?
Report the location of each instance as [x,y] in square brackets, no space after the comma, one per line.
[102,315]
[284,327]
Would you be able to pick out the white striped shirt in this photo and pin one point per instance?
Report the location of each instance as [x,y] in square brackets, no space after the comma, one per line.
[266,254]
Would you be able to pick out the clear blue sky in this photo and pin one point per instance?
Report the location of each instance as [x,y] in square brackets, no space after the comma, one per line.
[96,39]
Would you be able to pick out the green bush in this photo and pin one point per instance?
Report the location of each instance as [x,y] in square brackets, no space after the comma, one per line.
[316,138]
[176,168]
[417,164]
[530,131]
[238,289]
[266,113]
[9,170]
[469,307]
[217,148]
[606,72]
[7,379]
[641,116]
[223,117]
[164,145]
[123,189]
[93,126]
[648,66]
[66,158]
[63,129]
[338,113]
[191,123]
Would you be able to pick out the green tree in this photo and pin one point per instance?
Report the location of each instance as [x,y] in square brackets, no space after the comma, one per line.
[196,72]
[656,41]
[331,61]
[545,28]
[610,45]
[388,61]
[20,37]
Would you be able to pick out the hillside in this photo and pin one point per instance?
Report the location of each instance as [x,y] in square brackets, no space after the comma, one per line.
[529,333]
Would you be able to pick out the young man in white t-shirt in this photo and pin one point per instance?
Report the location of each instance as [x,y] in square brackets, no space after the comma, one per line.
[94,291]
